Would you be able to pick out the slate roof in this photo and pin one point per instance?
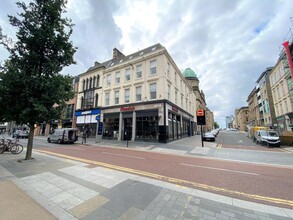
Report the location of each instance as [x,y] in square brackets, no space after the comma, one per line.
[112,62]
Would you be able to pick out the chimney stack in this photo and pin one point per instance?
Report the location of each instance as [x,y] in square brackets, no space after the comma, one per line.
[117,54]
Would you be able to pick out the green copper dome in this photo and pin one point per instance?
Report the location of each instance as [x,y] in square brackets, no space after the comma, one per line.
[189,74]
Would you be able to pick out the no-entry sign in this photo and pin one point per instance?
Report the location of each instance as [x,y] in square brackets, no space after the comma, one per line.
[200,112]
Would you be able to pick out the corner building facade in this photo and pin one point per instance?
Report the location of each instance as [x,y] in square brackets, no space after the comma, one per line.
[141,96]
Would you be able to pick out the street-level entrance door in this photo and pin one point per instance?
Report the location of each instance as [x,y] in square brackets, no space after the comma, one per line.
[127,129]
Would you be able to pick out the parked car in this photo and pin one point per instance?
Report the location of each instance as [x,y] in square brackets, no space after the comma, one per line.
[208,136]
[64,135]
[20,134]
[215,132]
[268,138]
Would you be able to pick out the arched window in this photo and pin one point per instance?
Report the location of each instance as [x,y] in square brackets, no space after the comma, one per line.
[87,83]
[81,105]
[97,100]
[91,81]
[94,82]
[83,85]
[98,80]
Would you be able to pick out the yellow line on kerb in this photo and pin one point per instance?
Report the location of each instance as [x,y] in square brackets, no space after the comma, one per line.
[174,180]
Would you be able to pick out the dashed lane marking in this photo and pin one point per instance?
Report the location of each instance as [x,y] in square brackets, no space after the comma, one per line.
[214,168]
[123,155]
[175,180]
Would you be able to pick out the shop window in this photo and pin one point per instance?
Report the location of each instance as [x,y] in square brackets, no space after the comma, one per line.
[111,128]
[170,128]
[147,128]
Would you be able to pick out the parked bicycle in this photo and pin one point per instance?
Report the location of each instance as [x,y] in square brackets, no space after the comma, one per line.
[11,146]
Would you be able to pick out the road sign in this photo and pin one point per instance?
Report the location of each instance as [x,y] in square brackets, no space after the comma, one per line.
[200,112]
[200,116]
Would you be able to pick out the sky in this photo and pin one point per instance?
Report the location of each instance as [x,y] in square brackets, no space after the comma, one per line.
[227,43]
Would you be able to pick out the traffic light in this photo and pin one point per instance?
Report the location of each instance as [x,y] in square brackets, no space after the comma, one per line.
[200,116]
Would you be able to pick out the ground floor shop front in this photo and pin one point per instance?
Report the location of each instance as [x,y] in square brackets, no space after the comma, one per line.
[155,122]
[87,120]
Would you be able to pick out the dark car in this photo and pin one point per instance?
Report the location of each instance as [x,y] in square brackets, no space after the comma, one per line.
[208,136]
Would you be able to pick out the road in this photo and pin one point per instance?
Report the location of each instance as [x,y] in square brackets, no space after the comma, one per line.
[239,169]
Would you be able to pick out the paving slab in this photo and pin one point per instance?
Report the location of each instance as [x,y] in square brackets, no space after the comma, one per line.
[16,204]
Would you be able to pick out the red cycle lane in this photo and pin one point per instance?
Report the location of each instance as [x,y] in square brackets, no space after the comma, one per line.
[266,184]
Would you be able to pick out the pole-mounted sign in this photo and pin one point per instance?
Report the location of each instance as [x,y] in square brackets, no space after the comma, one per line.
[201,120]
[200,116]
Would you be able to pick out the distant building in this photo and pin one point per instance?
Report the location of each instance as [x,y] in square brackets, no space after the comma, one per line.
[282,90]
[229,121]
[253,115]
[141,96]
[265,100]
[241,118]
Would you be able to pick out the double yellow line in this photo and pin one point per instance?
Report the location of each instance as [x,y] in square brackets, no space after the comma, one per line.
[219,146]
[175,180]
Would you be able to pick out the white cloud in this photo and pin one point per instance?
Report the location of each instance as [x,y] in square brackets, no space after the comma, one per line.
[227,43]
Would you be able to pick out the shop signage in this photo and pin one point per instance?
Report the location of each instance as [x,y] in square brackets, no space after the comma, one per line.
[130,108]
[86,113]
[174,109]
[89,112]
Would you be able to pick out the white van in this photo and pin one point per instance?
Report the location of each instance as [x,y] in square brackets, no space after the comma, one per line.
[268,138]
[64,135]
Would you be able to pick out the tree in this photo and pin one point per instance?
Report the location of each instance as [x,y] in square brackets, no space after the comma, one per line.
[216,125]
[32,85]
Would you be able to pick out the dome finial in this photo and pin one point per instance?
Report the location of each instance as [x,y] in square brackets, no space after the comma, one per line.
[189,74]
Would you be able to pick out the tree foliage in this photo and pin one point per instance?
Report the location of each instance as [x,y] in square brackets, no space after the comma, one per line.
[32,88]
[216,125]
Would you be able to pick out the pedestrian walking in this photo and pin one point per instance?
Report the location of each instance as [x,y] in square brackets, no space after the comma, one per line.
[83,136]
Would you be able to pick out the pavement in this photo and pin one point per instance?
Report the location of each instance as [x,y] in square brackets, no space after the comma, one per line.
[51,187]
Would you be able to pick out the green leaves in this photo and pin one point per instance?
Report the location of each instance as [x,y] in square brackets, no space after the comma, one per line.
[32,85]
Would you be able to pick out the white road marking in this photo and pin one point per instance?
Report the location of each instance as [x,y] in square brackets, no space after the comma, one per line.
[213,168]
[122,155]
